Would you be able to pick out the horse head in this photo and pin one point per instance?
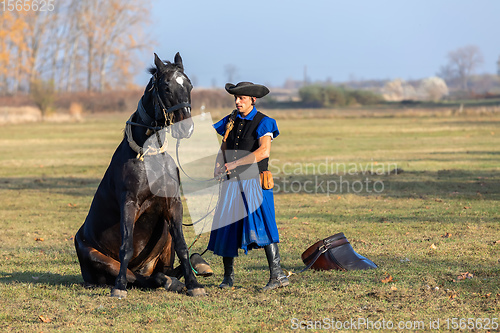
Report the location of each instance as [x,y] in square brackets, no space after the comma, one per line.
[171,96]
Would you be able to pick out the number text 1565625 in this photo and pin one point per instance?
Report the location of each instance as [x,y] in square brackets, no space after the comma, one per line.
[27,5]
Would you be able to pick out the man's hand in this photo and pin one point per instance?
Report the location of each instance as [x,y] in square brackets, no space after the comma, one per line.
[230,166]
[219,170]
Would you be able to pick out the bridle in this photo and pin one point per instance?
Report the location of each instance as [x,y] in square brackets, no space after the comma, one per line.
[152,123]
[160,109]
[160,106]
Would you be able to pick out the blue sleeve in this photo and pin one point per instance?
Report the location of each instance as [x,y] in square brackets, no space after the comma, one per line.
[267,125]
[220,126]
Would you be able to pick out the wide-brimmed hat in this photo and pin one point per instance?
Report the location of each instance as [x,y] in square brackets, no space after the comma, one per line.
[247,89]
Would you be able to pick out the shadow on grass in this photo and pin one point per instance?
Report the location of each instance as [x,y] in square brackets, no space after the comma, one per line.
[474,185]
[54,279]
[64,185]
[479,185]
[40,278]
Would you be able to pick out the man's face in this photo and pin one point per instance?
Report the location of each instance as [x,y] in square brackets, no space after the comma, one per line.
[243,103]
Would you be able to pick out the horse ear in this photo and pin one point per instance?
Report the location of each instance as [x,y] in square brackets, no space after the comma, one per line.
[178,61]
[159,63]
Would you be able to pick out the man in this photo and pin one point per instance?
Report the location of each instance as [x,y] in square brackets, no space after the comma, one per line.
[245,216]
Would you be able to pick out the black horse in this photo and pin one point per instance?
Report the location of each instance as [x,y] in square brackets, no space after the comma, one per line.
[131,233]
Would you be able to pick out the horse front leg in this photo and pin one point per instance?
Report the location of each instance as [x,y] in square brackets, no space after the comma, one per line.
[129,211]
[181,249]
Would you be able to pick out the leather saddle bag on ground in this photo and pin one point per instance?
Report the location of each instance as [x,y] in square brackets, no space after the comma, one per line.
[335,252]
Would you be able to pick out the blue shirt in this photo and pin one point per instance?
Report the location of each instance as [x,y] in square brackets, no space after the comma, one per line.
[266,125]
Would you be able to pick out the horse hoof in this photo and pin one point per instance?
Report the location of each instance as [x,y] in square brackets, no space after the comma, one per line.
[196,292]
[174,285]
[118,293]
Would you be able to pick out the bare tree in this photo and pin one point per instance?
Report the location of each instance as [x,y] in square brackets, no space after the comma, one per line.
[69,54]
[432,89]
[120,38]
[110,30]
[92,41]
[36,36]
[13,45]
[462,63]
[26,42]
[398,90]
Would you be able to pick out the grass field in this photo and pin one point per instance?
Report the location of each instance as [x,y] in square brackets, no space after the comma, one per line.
[417,195]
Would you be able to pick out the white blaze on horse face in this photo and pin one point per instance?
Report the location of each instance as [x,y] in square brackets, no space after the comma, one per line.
[180,80]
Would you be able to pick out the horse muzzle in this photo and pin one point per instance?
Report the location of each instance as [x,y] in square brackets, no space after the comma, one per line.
[182,129]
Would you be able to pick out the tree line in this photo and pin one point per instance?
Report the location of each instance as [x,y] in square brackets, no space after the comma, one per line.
[86,45]
[457,77]
[317,95]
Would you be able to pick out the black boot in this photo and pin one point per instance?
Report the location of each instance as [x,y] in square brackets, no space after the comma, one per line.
[228,272]
[276,276]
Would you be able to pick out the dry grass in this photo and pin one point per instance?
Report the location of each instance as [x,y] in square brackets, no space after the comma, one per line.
[432,223]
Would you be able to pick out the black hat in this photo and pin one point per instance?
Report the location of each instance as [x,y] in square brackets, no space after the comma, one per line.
[247,89]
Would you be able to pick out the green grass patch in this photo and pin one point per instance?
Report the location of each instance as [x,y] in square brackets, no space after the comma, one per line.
[428,213]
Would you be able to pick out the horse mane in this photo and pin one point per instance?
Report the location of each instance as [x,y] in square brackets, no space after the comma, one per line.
[152,70]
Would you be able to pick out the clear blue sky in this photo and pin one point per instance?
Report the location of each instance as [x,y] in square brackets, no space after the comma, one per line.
[269,41]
